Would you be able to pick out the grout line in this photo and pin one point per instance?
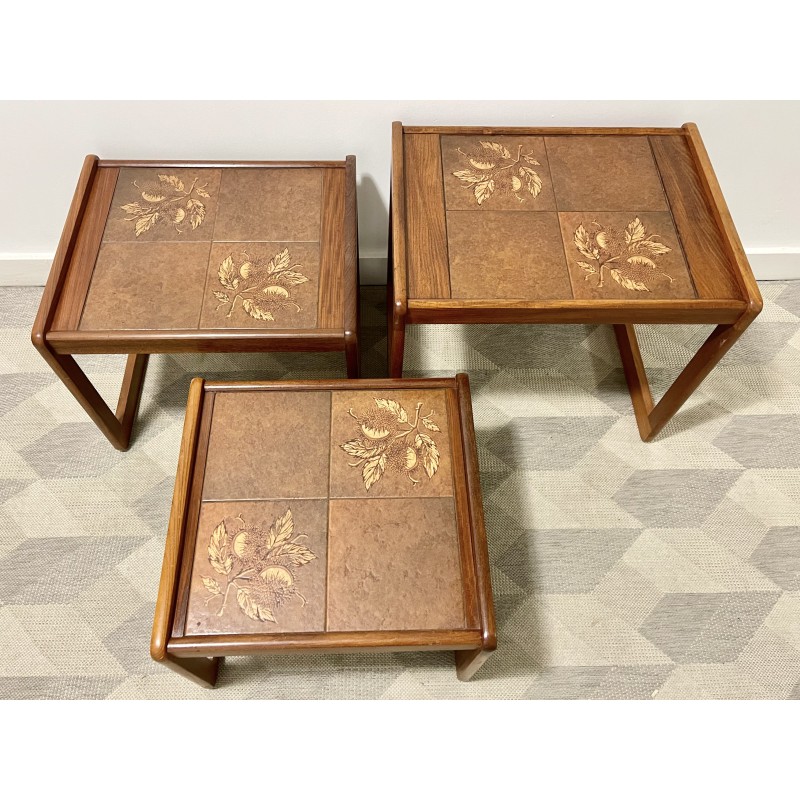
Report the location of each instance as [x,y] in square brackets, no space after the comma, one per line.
[205,288]
[415,496]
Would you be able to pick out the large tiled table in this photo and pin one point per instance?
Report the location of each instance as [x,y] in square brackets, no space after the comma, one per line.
[325,516]
[570,225]
[200,256]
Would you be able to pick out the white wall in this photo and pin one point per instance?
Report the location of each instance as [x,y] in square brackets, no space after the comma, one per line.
[753,146]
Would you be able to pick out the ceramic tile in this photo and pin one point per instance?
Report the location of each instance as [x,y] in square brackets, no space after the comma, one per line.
[259,568]
[506,255]
[268,445]
[393,565]
[516,166]
[641,250]
[390,444]
[258,285]
[146,286]
[163,205]
[270,205]
[604,173]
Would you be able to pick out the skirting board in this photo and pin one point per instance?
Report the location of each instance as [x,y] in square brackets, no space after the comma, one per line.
[31,269]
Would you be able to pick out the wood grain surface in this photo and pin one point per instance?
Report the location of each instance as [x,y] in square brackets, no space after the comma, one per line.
[428,267]
[710,266]
[176,530]
[330,313]
[87,245]
[575,311]
[352,282]
[723,218]
[326,642]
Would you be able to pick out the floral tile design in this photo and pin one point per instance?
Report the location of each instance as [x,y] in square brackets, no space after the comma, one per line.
[390,444]
[496,173]
[388,439]
[625,256]
[163,205]
[262,285]
[259,567]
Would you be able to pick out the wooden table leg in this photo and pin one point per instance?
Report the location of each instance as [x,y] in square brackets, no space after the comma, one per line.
[352,354]
[468,662]
[202,671]
[116,427]
[397,340]
[651,417]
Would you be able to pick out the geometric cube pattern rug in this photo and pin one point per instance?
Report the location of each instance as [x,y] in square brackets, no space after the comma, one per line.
[620,569]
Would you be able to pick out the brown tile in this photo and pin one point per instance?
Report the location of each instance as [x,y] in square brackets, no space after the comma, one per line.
[604,173]
[163,210]
[504,162]
[146,286]
[282,281]
[263,577]
[663,275]
[269,205]
[394,565]
[390,443]
[268,444]
[505,255]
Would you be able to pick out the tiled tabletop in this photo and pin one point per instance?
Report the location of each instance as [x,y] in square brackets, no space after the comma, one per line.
[206,248]
[327,511]
[551,217]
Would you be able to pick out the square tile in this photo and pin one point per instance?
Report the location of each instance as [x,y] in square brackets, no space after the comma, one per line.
[259,568]
[604,173]
[506,172]
[640,255]
[163,205]
[268,445]
[262,285]
[393,565]
[388,443]
[146,286]
[269,205]
[506,255]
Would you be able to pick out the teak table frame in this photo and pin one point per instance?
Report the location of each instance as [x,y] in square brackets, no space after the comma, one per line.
[731,300]
[56,335]
[198,657]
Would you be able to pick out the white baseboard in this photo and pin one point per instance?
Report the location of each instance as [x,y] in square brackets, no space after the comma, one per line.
[24,269]
[31,269]
[774,263]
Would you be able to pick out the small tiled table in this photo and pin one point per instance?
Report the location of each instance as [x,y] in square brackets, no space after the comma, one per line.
[332,516]
[567,225]
[164,257]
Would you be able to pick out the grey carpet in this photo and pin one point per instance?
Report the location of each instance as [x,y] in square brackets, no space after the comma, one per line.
[621,569]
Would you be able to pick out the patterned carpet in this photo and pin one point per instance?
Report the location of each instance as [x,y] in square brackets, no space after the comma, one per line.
[621,570]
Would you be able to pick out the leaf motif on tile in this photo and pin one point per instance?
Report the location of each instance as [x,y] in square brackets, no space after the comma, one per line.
[627,256]
[260,566]
[263,285]
[495,168]
[384,442]
[166,202]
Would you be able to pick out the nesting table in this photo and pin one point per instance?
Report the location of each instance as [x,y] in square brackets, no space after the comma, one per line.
[567,225]
[332,516]
[160,257]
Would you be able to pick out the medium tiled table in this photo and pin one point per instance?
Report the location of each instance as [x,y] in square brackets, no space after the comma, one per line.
[332,516]
[567,225]
[161,257]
